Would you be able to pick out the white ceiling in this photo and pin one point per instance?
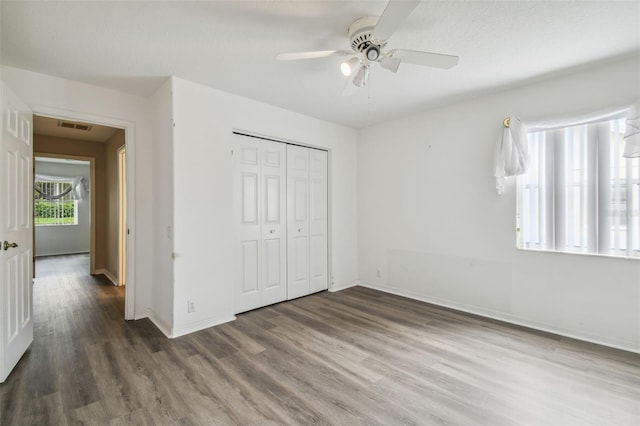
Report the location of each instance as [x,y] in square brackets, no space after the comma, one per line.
[231,45]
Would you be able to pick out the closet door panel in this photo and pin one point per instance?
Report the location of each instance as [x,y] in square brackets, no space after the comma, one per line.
[318,226]
[246,223]
[297,221]
[274,225]
[249,262]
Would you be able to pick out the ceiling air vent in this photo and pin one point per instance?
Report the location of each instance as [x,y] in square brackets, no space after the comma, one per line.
[72,125]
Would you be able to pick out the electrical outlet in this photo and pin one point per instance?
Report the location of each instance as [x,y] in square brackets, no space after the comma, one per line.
[378,273]
[191,306]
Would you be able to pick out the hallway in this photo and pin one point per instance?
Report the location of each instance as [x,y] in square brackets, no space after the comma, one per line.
[74,313]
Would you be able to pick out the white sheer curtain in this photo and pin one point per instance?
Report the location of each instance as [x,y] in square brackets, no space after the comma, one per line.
[554,123]
[511,155]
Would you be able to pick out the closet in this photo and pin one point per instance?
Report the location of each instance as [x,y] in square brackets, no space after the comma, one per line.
[280,211]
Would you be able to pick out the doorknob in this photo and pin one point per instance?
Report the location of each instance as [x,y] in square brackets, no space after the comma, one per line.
[8,245]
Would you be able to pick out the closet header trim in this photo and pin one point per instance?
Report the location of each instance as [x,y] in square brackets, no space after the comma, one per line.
[266,138]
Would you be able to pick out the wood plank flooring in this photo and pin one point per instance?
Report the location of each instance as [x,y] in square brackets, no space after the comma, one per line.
[354,357]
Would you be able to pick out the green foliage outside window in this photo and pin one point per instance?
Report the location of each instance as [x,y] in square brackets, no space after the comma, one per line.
[54,212]
[59,211]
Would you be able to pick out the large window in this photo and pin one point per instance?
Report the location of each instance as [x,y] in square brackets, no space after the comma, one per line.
[580,194]
[53,204]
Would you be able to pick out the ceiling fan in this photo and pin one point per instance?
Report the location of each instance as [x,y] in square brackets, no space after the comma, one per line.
[368,36]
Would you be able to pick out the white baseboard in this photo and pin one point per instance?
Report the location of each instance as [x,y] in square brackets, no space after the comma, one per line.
[107,274]
[140,313]
[173,332]
[340,287]
[158,322]
[512,319]
[199,325]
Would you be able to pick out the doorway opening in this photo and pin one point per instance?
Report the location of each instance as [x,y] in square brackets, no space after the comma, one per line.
[61,142]
[63,213]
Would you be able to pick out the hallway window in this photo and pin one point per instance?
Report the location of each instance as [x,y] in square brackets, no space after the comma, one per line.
[53,204]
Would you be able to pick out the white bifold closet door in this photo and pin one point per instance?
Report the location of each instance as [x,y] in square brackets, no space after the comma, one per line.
[306,221]
[279,222]
[259,222]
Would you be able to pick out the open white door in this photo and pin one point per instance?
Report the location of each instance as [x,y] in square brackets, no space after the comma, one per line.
[16,231]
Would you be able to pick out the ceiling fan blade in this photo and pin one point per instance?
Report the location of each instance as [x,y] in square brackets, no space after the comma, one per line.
[435,60]
[393,16]
[390,63]
[310,55]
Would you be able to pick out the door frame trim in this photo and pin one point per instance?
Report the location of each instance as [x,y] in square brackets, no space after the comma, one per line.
[122,215]
[129,142]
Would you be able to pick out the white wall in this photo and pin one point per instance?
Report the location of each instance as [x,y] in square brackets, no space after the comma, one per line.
[43,93]
[431,221]
[67,239]
[162,298]
[204,120]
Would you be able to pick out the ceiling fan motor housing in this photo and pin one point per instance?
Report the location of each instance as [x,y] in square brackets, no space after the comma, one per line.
[360,38]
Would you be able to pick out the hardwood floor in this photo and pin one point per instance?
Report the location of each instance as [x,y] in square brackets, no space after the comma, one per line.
[354,357]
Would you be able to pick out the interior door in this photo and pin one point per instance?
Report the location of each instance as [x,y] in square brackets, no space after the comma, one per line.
[16,267]
[274,225]
[297,221]
[318,221]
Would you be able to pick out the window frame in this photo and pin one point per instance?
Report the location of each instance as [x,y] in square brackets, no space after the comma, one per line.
[597,175]
[56,204]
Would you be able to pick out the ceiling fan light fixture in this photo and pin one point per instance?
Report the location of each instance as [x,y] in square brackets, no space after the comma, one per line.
[361,77]
[373,52]
[348,66]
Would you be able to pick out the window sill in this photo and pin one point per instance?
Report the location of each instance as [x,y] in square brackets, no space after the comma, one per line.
[48,225]
[606,256]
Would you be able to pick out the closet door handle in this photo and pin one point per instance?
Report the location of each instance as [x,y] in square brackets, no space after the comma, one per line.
[299,229]
[272,231]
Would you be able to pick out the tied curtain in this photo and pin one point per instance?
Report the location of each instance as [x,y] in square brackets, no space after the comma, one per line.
[511,155]
[78,190]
